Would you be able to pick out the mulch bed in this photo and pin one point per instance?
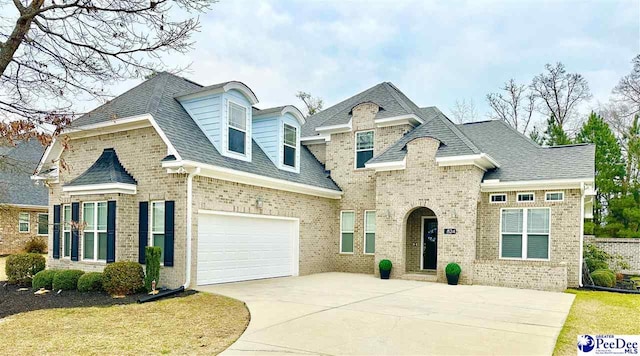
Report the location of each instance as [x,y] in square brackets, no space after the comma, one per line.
[13,301]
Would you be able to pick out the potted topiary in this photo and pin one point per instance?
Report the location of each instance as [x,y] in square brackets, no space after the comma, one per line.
[385,269]
[453,273]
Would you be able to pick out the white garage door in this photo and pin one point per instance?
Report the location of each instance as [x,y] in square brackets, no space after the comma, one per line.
[240,247]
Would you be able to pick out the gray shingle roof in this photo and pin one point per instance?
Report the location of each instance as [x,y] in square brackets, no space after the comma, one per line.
[17,164]
[522,159]
[106,169]
[268,111]
[156,96]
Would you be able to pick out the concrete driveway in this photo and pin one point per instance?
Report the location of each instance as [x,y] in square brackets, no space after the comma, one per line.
[343,313]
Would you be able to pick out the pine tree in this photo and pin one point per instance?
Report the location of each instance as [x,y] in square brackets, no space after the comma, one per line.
[555,135]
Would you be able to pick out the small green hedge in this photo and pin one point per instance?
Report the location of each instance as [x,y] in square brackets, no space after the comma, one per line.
[152,264]
[90,282]
[44,279]
[67,279]
[453,269]
[385,265]
[21,268]
[604,278]
[122,278]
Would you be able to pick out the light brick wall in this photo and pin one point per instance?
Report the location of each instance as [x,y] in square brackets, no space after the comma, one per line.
[358,185]
[531,275]
[628,248]
[11,239]
[319,151]
[140,152]
[450,192]
[564,234]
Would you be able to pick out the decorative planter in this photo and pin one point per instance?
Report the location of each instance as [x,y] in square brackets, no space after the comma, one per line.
[452,279]
[385,274]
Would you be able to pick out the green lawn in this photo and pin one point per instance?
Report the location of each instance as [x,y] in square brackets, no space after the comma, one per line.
[598,313]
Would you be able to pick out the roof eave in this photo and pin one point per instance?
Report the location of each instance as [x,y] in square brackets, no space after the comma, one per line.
[335,128]
[481,160]
[387,166]
[495,185]
[410,119]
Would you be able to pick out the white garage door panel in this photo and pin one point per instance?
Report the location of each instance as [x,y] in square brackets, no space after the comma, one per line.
[237,248]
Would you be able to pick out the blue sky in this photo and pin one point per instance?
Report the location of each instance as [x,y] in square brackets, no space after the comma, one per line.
[435,52]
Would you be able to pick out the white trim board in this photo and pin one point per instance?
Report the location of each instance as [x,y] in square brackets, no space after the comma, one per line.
[107,188]
[548,184]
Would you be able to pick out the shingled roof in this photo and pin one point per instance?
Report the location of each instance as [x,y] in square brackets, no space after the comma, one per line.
[106,169]
[17,164]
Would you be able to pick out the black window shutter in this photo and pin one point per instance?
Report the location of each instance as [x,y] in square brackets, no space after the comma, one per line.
[111,231]
[169,212]
[143,230]
[56,231]
[75,234]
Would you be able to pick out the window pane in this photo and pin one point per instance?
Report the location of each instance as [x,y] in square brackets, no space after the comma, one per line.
[237,117]
[348,221]
[525,197]
[364,140]
[43,224]
[512,220]
[289,156]
[554,196]
[236,141]
[289,135]
[512,246]
[538,246]
[87,244]
[362,157]
[67,216]
[347,242]
[67,244]
[538,221]
[102,216]
[371,243]
[88,216]
[102,246]
[24,227]
[499,198]
[158,240]
[370,221]
[24,217]
[157,223]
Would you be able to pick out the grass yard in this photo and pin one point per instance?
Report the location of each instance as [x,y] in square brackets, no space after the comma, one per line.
[598,313]
[3,277]
[201,323]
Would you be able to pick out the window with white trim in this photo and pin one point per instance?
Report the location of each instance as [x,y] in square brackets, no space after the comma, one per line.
[66,231]
[156,233]
[554,196]
[526,197]
[369,231]
[290,145]
[94,232]
[43,224]
[524,233]
[364,147]
[347,224]
[23,222]
[237,129]
[498,198]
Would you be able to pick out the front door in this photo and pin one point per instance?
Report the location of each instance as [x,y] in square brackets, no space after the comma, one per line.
[430,244]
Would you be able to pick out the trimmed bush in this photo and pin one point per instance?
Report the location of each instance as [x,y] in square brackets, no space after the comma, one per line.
[90,282]
[36,245]
[604,278]
[385,265]
[152,260]
[122,278]
[44,279]
[67,279]
[21,268]
[453,269]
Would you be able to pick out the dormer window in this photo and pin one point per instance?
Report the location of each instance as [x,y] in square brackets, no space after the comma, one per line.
[364,148]
[237,131]
[290,146]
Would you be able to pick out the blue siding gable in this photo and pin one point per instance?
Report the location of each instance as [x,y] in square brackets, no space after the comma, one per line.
[206,112]
[266,135]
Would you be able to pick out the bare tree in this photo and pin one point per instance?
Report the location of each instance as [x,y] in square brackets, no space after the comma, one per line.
[514,104]
[53,52]
[464,111]
[313,104]
[628,89]
[560,93]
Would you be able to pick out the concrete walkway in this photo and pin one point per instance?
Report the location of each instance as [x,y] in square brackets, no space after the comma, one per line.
[343,313]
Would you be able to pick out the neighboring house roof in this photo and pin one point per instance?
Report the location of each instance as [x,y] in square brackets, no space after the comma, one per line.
[521,159]
[156,96]
[106,169]
[17,164]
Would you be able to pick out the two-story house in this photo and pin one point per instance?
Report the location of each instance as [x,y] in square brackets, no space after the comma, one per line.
[232,192]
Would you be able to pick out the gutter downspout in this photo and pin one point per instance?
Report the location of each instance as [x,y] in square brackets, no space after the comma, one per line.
[189,220]
[582,195]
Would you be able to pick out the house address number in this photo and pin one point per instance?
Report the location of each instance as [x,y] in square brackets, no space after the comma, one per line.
[450,231]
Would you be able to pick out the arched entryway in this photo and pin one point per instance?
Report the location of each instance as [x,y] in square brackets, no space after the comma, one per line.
[421,241]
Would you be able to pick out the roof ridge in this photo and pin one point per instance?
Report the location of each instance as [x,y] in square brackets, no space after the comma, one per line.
[393,90]
[456,131]
[528,139]
[158,91]
[310,118]
[570,145]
